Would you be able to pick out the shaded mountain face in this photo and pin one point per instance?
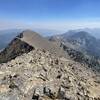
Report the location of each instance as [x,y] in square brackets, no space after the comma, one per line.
[85,42]
[94,31]
[81,41]
[14,49]
[82,58]
[81,47]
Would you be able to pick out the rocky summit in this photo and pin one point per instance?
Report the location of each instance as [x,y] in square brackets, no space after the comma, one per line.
[39,75]
[25,42]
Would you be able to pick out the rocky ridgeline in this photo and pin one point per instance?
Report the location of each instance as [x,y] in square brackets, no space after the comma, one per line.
[14,49]
[39,75]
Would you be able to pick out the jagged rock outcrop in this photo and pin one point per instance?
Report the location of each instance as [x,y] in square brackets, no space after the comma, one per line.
[14,49]
[40,75]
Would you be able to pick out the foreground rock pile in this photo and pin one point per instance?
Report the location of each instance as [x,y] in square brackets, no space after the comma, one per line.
[39,75]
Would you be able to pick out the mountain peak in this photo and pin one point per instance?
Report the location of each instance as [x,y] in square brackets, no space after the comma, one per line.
[27,41]
[81,34]
[27,33]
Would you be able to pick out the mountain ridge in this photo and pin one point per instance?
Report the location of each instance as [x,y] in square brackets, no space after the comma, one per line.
[35,68]
[28,40]
[81,41]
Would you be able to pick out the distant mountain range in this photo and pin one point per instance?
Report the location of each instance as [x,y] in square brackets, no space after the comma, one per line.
[80,41]
[7,35]
[79,46]
[93,31]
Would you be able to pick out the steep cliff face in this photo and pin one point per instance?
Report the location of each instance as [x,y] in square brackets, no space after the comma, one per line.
[39,75]
[14,49]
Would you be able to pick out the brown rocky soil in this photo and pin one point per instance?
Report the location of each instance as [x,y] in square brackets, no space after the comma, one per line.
[39,75]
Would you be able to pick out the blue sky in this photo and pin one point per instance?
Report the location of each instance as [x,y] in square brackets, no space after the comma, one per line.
[54,14]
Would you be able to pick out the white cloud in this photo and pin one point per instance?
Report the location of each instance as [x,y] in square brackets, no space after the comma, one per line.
[57,25]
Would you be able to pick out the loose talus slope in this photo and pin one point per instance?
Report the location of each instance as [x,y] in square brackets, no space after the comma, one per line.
[39,75]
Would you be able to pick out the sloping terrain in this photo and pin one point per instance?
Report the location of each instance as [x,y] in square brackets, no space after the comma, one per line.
[85,43]
[81,47]
[27,41]
[80,41]
[37,41]
[82,58]
[39,75]
[38,69]
[14,49]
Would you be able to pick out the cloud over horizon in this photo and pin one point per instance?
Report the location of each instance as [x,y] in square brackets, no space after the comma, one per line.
[59,25]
